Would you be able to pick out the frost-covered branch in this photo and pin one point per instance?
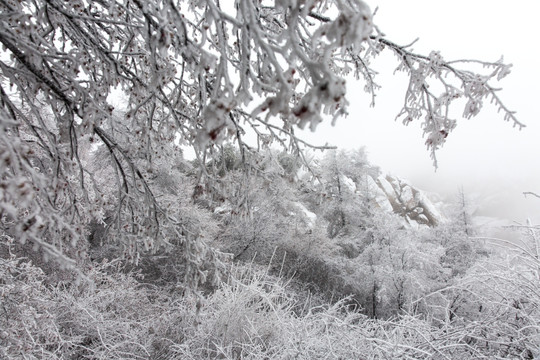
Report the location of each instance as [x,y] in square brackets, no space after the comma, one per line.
[531,193]
[426,72]
[192,74]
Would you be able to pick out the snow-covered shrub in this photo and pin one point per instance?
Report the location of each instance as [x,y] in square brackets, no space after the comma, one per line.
[253,317]
[103,316]
[497,300]
[244,314]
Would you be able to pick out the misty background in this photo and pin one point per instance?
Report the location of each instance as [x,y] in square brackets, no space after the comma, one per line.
[493,162]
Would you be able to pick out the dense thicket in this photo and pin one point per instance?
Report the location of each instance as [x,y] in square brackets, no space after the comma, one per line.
[375,288]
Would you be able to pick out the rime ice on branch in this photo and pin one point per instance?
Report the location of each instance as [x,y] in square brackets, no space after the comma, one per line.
[193,73]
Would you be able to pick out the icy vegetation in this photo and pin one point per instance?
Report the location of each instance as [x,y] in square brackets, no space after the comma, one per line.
[316,268]
[113,245]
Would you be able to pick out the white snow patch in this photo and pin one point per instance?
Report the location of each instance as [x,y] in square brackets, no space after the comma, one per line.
[349,183]
[380,197]
[429,209]
[407,197]
[310,217]
[423,218]
[224,209]
[387,187]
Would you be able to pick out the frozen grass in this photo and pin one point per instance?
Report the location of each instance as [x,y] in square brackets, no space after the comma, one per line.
[252,315]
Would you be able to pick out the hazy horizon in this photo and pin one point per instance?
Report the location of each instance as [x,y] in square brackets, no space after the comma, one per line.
[491,160]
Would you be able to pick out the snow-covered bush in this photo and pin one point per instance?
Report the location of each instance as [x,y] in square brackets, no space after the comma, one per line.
[103,316]
[498,300]
[256,316]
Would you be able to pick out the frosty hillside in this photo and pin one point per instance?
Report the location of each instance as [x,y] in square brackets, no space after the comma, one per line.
[188,71]
[114,245]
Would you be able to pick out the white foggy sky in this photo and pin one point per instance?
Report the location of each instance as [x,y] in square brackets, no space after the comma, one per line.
[487,156]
